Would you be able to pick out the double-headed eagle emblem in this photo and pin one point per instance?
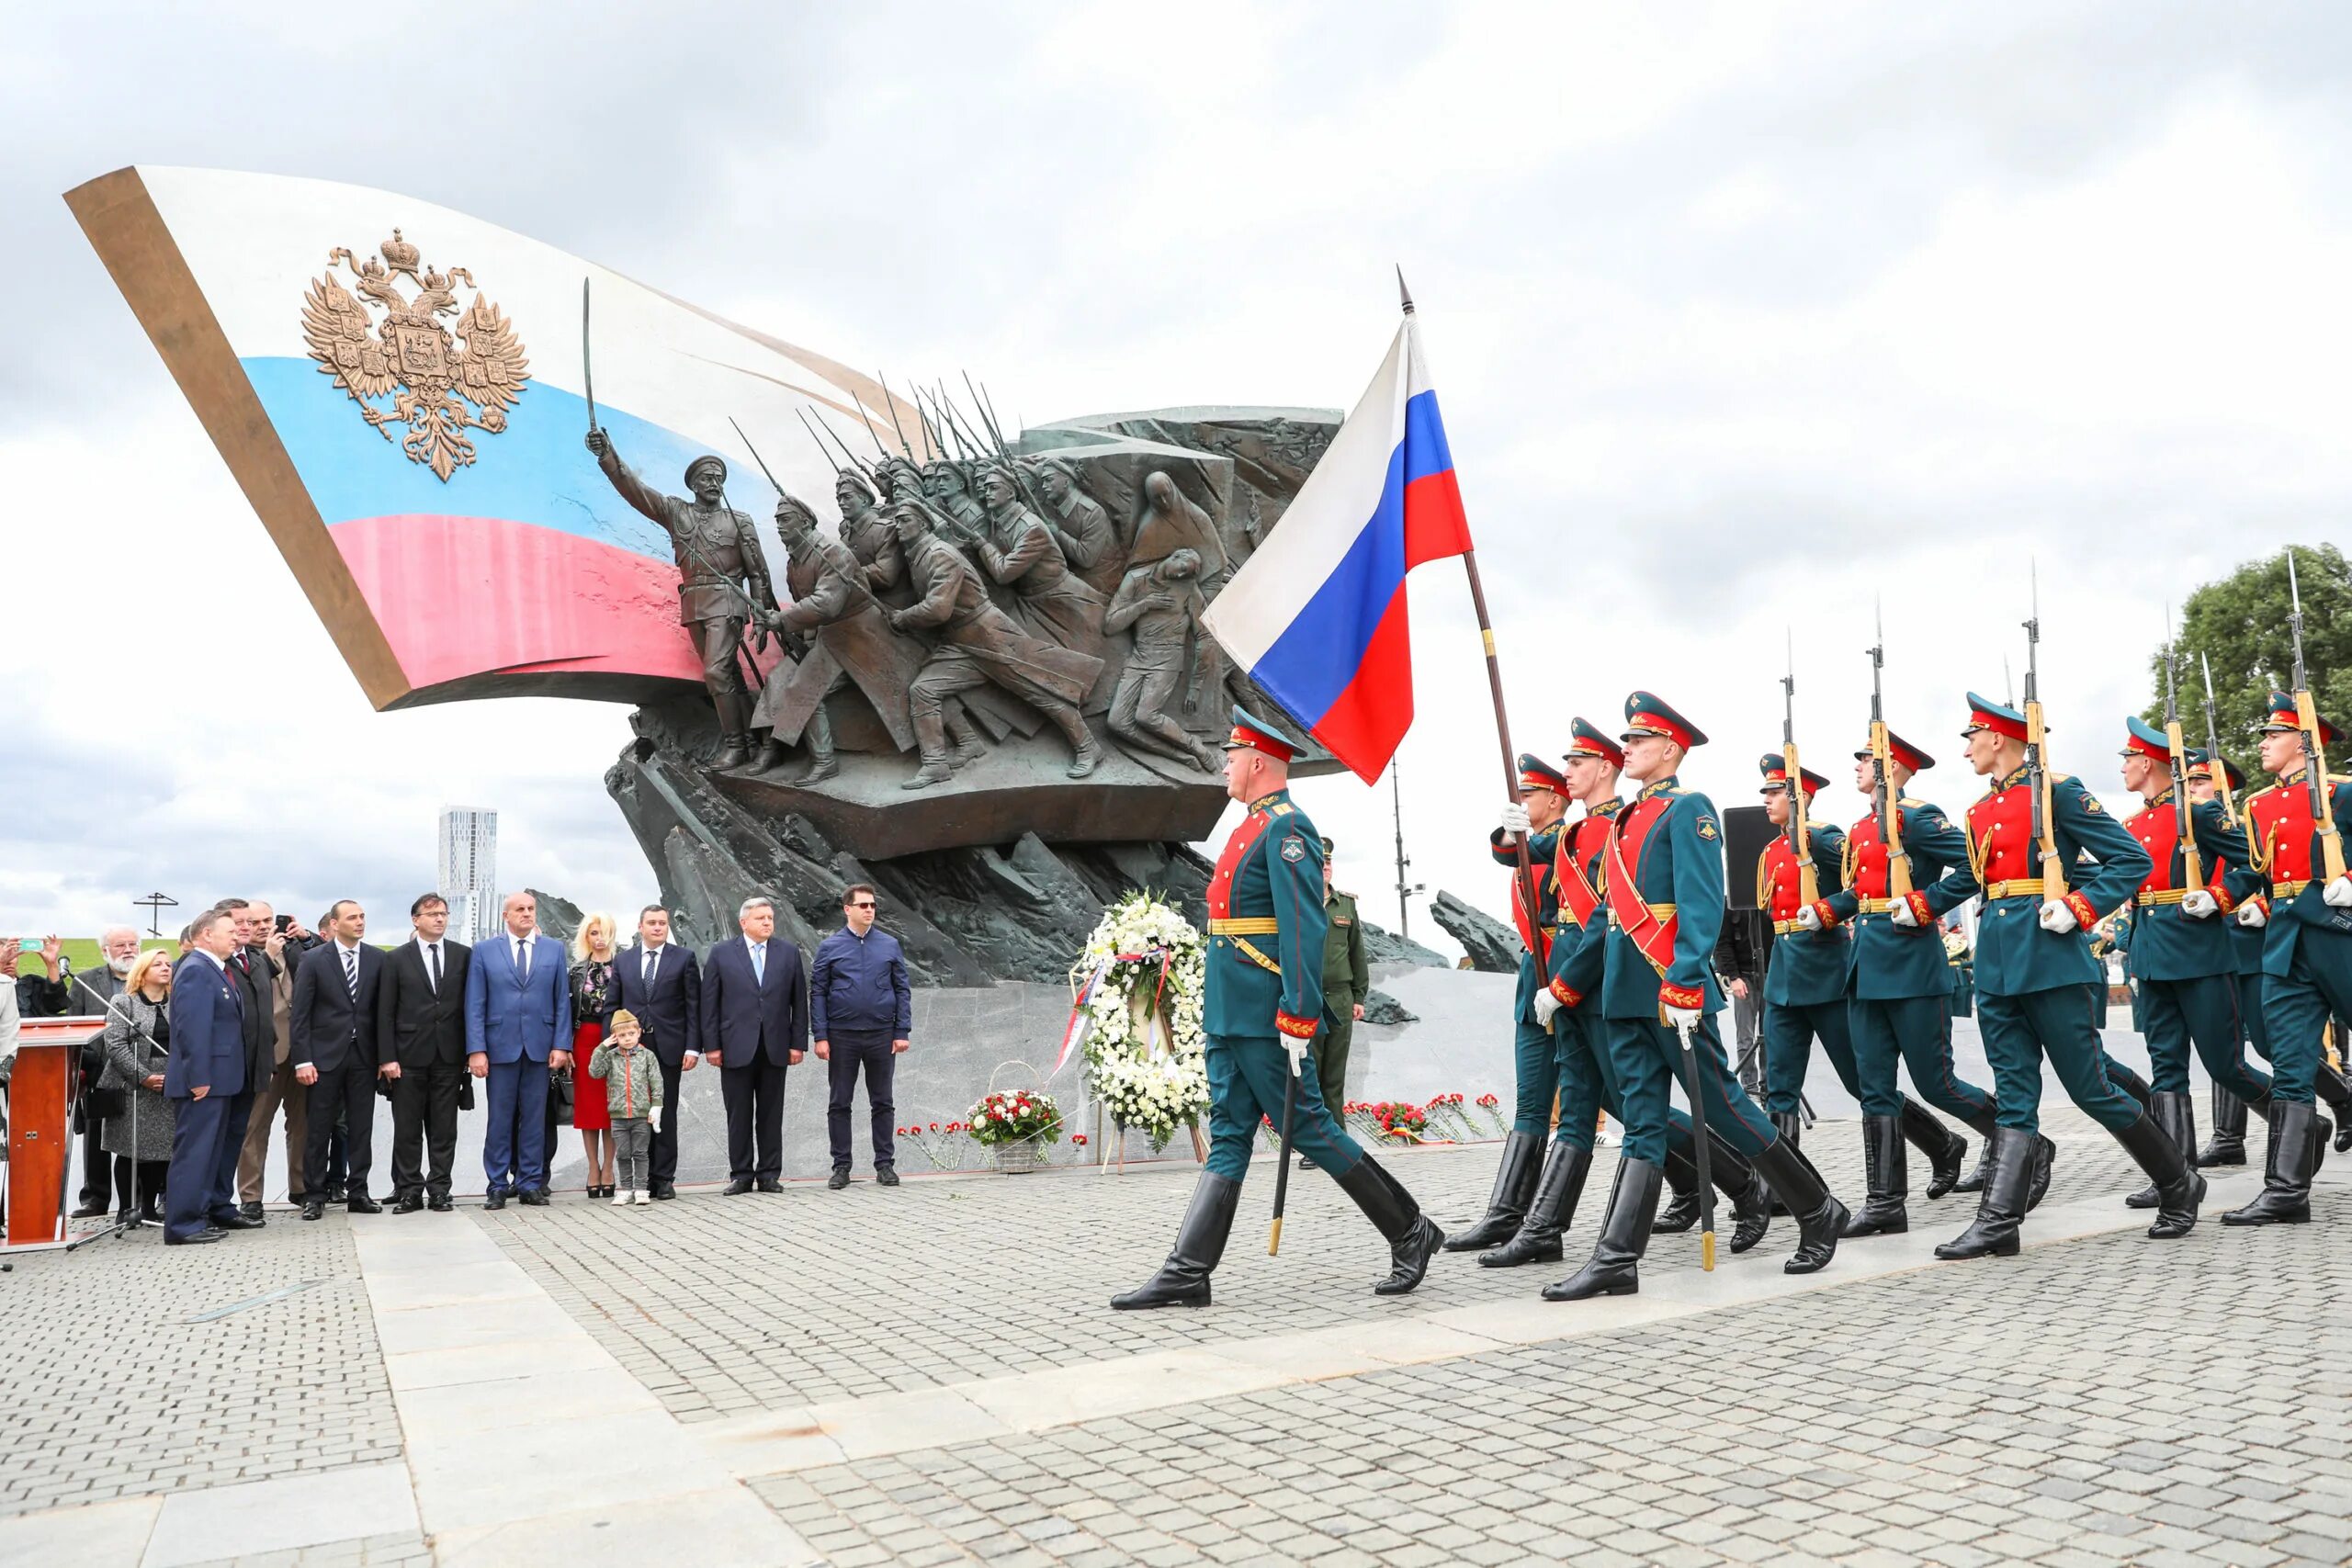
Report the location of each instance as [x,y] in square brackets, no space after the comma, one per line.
[437,377]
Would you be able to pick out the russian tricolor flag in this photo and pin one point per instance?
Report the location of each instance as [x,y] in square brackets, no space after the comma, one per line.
[1317,615]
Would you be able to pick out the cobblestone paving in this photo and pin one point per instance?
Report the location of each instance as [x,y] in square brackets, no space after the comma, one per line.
[722,1306]
[110,1391]
[2074,1406]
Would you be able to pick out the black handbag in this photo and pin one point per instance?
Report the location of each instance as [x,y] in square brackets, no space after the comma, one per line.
[559,1090]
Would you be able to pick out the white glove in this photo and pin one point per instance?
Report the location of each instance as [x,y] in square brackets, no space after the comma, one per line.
[1809,918]
[2200,905]
[1680,1019]
[1546,1004]
[1514,818]
[1295,1049]
[2058,919]
[2338,895]
[1901,915]
[2253,917]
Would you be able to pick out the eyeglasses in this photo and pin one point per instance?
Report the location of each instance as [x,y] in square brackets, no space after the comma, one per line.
[863,904]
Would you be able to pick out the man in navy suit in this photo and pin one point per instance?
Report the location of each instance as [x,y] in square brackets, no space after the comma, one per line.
[333,1021]
[204,1073]
[754,1025]
[660,984]
[518,1026]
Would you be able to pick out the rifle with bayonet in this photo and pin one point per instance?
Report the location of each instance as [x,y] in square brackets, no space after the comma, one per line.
[2192,864]
[1799,833]
[2215,769]
[794,644]
[1887,804]
[2331,842]
[2036,758]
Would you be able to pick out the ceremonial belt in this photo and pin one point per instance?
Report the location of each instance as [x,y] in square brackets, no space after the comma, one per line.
[2167,894]
[1787,928]
[2289,889]
[1873,906]
[2015,888]
[1657,912]
[1245,925]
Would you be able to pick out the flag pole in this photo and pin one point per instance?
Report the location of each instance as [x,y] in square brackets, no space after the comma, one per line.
[1525,886]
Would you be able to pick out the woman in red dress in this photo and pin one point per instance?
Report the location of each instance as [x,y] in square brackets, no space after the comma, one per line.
[591,1000]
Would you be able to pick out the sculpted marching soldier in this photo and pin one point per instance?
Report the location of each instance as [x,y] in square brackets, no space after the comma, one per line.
[1160,604]
[1346,977]
[1535,911]
[1018,551]
[2306,962]
[1664,873]
[2180,954]
[867,534]
[1079,526]
[2034,973]
[844,639]
[1265,1002]
[722,579]
[1901,996]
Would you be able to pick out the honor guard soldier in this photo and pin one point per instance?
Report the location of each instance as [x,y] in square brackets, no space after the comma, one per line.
[2227,1145]
[2034,973]
[1535,1068]
[2180,955]
[2306,961]
[1263,1004]
[1901,1009]
[1663,869]
[1346,977]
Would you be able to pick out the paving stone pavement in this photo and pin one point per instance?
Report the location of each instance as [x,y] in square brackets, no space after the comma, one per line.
[111,1391]
[722,1306]
[410,1550]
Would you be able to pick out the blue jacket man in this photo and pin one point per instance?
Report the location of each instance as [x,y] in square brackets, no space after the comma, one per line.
[518,1028]
[1265,1002]
[205,1071]
[2035,972]
[862,1011]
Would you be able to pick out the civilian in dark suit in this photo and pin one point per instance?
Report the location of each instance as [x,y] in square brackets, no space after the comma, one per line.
[518,1024]
[334,1017]
[275,1087]
[754,1025]
[250,970]
[421,1046]
[661,984]
[205,1071]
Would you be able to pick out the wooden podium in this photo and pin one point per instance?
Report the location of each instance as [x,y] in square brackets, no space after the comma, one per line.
[41,1108]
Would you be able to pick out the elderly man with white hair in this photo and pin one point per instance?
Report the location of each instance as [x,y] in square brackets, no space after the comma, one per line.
[91,995]
[754,1026]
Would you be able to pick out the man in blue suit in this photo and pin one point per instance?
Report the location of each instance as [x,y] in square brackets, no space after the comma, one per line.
[660,983]
[754,1025]
[518,1022]
[205,1071]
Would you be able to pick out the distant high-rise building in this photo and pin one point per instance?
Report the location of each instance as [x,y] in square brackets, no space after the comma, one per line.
[468,871]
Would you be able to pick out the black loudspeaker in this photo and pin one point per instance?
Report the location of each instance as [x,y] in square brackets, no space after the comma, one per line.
[1746,829]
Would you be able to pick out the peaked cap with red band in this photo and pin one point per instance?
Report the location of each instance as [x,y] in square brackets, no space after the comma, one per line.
[1983,713]
[1775,769]
[1648,714]
[2283,717]
[1587,740]
[2145,740]
[1534,772]
[1905,754]
[1254,734]
[2201,764]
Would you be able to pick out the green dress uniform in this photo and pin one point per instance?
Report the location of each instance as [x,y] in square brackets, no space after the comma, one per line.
[1663,875]
[1961,961]
[1262,1008]
[1346,978]
[2227,1145]
[2033,988]
[2182,966]
[2307,975]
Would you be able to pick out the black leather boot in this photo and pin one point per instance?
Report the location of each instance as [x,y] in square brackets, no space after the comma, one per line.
[1682,1176]
[1946,1150]
[2332,1088]
[1514,1184]
[1411,1235]
[1819,1216]
[2297,1130]
[2177,1115]
[2130,1082]
[2228,1145]
[1615,1269]
[1184,1280]
[2010,1155]
[2178,1187]
[1727,1168]
[1791,1126]
[1984,1126]
[1883,1211]
[2037,1185]
[1548,1212]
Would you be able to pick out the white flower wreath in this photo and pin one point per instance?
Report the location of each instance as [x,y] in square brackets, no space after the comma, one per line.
[1142,979]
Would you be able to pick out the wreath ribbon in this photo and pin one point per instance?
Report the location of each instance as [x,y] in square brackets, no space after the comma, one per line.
[1081,1021]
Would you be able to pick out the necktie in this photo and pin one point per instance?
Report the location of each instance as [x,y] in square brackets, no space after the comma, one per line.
[433,968]
[652,962]
[522,957]
[351,973]
[759,963]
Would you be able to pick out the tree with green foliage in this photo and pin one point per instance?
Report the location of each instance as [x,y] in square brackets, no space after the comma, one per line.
[2240,625]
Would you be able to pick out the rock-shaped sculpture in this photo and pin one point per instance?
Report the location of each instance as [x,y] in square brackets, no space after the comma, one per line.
[1492,946]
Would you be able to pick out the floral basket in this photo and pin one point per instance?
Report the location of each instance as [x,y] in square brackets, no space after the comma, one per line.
[1014,1126]
[1138,989]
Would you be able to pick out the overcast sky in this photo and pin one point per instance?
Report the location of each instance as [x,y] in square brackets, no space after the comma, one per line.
[1740,316]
